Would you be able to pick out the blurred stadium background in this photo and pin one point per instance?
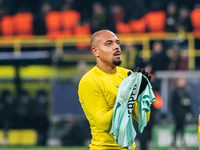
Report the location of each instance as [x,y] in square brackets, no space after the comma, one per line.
[44,51]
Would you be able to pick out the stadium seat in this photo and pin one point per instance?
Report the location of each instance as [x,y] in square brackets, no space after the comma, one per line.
[70,20]
[53,24]
[123,28]
[14,137]
[82,32]
[28,137]
[7,26]
[1,137]
[155,22]
[195,19]
[23,24]
[138,26]
[22,137]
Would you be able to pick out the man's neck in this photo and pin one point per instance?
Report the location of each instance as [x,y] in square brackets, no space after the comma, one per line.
[107,68]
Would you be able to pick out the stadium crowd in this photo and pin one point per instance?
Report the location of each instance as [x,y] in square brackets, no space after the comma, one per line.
[23,112]
[67,18]
[63,18]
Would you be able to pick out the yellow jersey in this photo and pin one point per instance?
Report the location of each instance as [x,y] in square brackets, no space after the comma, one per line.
[97,95]
[199,129]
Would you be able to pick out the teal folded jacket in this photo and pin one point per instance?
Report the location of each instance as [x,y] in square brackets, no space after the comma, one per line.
[122,124]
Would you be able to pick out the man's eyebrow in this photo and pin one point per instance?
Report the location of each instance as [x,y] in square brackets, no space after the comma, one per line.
[108,41]
[111,41]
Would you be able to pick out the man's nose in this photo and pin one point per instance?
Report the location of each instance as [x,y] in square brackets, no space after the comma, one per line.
[116,46]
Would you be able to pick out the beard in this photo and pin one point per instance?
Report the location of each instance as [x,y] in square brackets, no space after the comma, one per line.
[117,63]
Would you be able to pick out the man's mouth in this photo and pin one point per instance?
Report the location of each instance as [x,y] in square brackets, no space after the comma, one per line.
[117,54]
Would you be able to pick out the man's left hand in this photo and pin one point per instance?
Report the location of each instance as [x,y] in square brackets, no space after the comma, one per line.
[144,80]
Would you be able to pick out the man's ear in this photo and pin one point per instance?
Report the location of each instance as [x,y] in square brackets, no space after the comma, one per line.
[95,51]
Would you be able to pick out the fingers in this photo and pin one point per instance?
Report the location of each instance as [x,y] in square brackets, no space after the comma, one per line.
[146,74]
[129,73]
[138,69]
[149,77]
[143,71]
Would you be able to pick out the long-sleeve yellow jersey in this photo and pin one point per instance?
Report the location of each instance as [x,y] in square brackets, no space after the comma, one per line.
[97,95]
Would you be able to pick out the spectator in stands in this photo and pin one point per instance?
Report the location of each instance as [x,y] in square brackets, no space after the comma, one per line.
[128,55]
[176,61]
[39,21]
[180,106]
[139,62]
[82,68]
[22,110]
[117,19]
[2,12]
[8,119]
[183,21]
[98,18]
[171,17]
[8,109]
[158,60]
[183,25]
[84,7]
[115,14]
[38,114]
[133,9]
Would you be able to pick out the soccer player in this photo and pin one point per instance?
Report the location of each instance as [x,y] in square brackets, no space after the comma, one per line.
[98,89]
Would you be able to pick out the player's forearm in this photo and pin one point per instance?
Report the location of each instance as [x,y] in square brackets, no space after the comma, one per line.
[148,116]
[104,120]
[135,112]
